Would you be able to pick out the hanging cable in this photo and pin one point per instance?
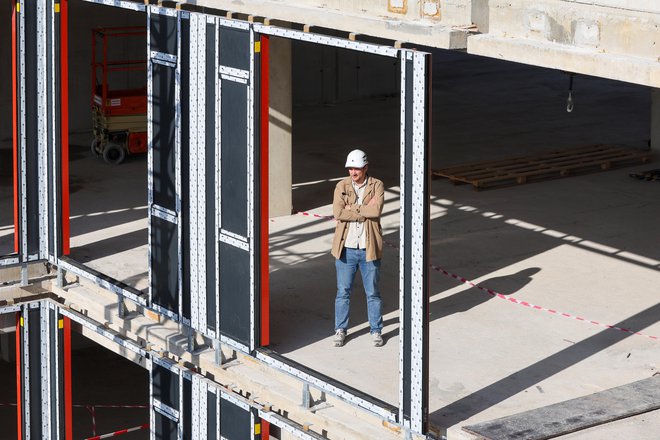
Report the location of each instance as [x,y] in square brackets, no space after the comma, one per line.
[569,101]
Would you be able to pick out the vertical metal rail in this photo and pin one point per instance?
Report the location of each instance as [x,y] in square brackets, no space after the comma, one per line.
[413,259]
[14,108]
[164,172]
[46,365]
[194,172]
[57,189]
[252,188]
[64,127]
[264,279]
[19,375]
[21,128]
[67,382]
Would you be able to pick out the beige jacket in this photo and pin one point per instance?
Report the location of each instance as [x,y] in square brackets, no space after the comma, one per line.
[345,210]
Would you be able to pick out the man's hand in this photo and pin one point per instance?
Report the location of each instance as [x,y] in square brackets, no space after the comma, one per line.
[372,201]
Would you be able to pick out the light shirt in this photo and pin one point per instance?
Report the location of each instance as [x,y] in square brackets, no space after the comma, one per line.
[356,238]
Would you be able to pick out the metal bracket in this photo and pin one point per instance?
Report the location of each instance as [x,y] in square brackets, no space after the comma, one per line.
[309,403]
[61,277]
[122,312]
[221,359]
[193,346]
[24,275]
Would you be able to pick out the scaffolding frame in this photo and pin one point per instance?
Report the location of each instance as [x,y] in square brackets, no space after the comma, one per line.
[43,185]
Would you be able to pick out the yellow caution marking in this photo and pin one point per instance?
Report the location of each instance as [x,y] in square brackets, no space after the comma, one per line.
[57,8]
[257,429]
[60,323]
[257,46]
[18,7]
[21,321]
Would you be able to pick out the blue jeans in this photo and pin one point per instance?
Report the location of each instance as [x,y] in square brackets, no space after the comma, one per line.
[346,266]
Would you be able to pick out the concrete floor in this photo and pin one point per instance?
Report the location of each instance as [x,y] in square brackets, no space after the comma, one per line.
[584,246]
[109,215]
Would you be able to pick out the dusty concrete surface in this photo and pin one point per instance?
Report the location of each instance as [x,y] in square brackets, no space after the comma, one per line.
[584,246]
[109,215]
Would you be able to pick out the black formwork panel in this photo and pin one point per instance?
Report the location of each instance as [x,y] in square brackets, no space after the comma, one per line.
[30,190]
[164,268]
[41,363]
[165,385]
[162,34]
[212,423]
[185,166]
[164,427]
[164,126]
[234,150]
[235,292]
[35,360]
[210,124]
[235,48]
[237,140]
[187,403]
[235,422]
[164,235]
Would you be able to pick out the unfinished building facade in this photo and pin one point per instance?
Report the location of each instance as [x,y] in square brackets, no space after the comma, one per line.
[190,240]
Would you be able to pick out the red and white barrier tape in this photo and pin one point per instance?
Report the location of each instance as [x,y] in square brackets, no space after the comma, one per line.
[118,433]
[507,298]
[111,406]
[535,307]
[309,214]
[93,413]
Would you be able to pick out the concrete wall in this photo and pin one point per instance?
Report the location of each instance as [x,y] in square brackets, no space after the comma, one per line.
[331,75]
[83,17]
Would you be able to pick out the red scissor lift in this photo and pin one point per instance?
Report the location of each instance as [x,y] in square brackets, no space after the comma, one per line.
[119,114]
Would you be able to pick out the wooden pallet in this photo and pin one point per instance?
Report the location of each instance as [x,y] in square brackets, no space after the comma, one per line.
[551,165]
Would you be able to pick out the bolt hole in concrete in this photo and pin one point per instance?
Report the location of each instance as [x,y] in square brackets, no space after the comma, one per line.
[108,201]
[6,136]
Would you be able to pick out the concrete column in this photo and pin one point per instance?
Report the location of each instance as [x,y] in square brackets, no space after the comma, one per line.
[280,128]
[655,120]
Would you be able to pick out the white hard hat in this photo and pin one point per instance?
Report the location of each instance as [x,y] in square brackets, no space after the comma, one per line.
[356,159]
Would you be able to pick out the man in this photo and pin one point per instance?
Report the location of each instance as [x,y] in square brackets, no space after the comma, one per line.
[358,243]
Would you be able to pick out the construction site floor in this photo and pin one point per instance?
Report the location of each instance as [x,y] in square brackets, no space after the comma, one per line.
[567,270]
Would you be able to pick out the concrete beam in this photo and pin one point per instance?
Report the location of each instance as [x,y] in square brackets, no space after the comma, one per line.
[426,22]
[246,374]
[606,38]
[585,61]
